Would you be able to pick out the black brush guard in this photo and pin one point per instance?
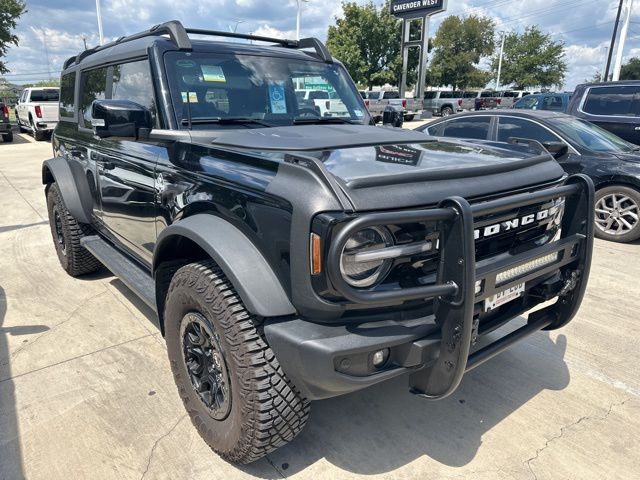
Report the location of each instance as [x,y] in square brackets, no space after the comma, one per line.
[455,290]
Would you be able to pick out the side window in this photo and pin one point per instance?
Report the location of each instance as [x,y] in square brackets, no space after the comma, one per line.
[132,81]
[94,86]
[446,95]
[517,127]
[67,95]
[476,128]
[610,100]
[553,102]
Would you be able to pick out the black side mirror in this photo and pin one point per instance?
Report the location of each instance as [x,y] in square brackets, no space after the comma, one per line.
[557,149]
[120,118]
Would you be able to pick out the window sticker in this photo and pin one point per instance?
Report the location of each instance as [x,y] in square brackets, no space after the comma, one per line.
[213,73]
[358,113]
[193,97]
[277,98]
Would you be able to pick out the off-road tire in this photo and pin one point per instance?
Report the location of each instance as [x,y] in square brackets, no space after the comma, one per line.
[74,258]
[7,137]
[446,111]
[620,191]
[39,135]
[266,410]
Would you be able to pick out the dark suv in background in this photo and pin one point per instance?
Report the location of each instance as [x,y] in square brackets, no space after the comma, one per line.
[614,106]
[5,126]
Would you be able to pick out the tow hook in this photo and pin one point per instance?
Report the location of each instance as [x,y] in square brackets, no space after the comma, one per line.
[571,282]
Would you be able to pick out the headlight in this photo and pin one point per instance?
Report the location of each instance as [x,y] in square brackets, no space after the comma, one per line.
[359,273]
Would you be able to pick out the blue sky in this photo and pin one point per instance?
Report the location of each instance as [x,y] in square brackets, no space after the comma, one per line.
[584,25]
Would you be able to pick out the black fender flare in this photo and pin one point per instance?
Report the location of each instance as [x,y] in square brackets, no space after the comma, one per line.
[73,186]
[244,265]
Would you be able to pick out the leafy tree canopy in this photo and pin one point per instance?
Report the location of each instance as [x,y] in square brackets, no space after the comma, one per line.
[459,46]
[10,11]
[44,83]
[367,39]
[531,59]
[631,70]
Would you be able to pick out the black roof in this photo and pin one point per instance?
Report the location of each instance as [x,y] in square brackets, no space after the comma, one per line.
[513,112]
[610,84]
[174,36]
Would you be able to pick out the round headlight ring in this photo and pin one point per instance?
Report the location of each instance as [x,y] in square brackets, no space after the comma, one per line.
[371,272]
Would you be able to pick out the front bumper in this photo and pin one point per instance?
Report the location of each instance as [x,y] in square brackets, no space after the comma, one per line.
[325,361]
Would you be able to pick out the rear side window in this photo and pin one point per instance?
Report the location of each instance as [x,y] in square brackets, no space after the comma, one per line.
[610,100]
[132,81]
[94,87]
[430,95]
[45,95]
[476,128]
[509,94]
[446,95]
[553,102]
[520,128]
[67,95]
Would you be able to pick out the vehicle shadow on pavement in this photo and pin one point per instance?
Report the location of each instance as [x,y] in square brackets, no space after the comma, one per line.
[383,428]
[11,228]
[10,453]
[17,140]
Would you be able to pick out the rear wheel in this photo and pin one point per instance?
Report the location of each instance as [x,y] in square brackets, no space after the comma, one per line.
[67,233]
[228,377]
[618,214]
[8,137]
[409,118]
[446,111]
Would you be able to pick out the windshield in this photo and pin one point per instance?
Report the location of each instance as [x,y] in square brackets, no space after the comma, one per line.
[592,137]
[224,90]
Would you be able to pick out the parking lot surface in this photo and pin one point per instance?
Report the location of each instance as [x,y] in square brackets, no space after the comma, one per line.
[86,390]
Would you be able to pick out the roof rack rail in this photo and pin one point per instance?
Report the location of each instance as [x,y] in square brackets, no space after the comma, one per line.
[180,36]
[317,45]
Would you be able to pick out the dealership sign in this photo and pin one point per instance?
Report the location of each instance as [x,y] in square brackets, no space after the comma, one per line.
[417,8]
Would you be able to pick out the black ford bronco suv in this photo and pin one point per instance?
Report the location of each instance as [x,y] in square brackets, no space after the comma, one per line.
[292,250]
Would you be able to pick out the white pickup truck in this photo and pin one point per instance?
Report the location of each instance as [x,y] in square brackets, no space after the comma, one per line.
[323,102]
[378,100]
[37,111]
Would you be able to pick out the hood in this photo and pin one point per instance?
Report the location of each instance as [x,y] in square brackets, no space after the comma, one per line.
[391,168]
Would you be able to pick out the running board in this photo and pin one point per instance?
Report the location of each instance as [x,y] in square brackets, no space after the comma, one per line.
[133,276]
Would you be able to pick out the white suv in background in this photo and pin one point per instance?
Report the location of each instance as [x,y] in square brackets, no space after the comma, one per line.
[37,111]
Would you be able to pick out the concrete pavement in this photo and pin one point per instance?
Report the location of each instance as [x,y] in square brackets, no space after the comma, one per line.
[86,390]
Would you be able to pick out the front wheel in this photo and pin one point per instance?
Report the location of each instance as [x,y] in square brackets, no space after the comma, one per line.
[618,214]
[228,377]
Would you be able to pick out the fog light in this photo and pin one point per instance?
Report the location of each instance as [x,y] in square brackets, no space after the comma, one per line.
[380,358]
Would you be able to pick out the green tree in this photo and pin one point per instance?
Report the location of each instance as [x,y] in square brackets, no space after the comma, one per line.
[367,40]
[631,70]
[459,46]
[10,11]
[45,83]
[532,59]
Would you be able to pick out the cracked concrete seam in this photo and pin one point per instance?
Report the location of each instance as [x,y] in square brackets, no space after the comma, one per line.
[70,317]
[157,442]
[566,427]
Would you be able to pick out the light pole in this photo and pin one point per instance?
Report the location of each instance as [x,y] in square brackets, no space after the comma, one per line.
[235,29]
[504,36]
[299,2]
[623,39]
[99,14]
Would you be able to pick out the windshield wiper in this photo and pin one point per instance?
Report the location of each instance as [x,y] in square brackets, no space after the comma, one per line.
[226,121]
[324,120]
